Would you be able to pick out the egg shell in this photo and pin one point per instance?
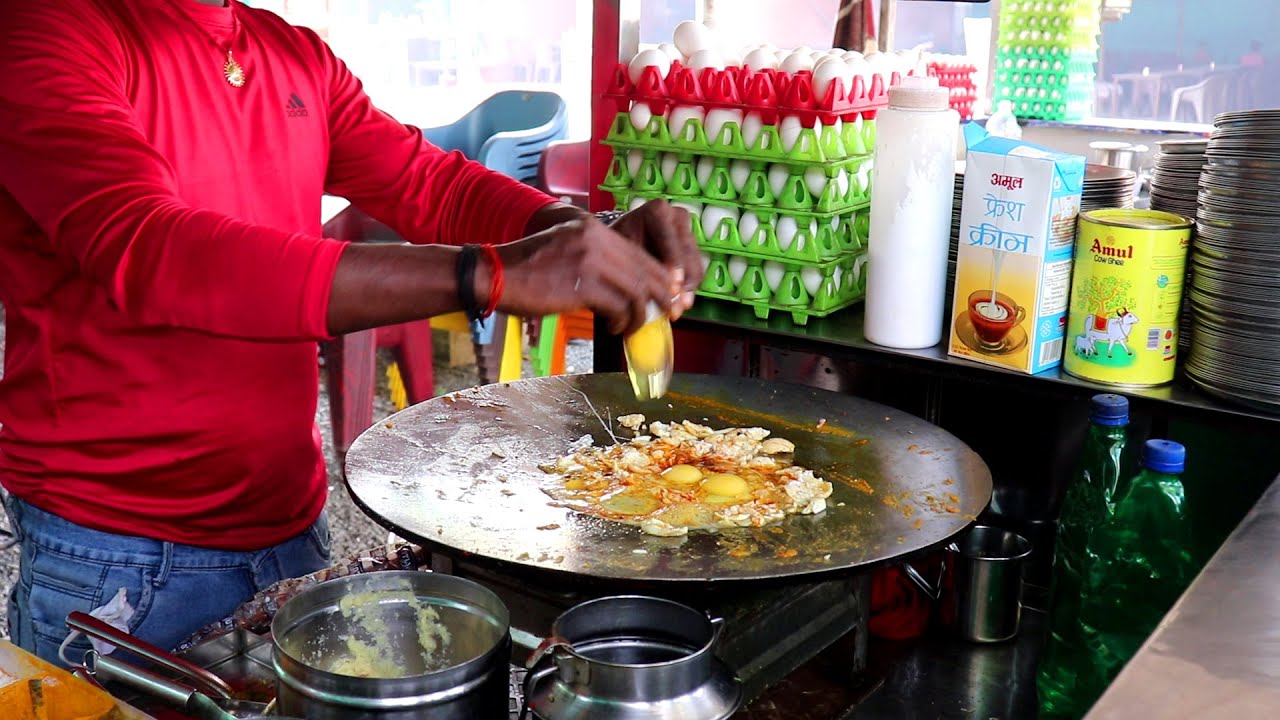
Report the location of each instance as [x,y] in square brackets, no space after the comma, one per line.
[778,176]
[789,132]
[842,182]
[706,261]
[706,165]
[748,225]
[761,59]
[732,58]
[773,273]
[825,74]
[737,269]
[812,279]
[859,68]
[817,55]
[691,36]
[816,181]
[635,158]
[716,120]
[786,229]
[713,216]
[837,276]
[797,62]
[739,171]
[850,55]
[682,114]
[707,58]
[693,208]
[651,57]
[781,56]
[640,116]
[836,52]
[673,52]
[668,164]
[752,127]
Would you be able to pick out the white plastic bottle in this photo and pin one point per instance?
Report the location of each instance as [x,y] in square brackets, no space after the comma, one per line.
[914,179]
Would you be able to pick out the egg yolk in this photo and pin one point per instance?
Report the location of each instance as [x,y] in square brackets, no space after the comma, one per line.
[682,474]
[725,485]
[649,347]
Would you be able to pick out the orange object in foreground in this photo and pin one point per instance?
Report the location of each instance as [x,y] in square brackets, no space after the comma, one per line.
[32,689]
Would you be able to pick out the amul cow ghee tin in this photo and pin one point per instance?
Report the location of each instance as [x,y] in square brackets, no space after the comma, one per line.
[1126,290]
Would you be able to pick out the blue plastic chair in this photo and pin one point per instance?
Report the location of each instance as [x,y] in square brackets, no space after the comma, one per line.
[507,132]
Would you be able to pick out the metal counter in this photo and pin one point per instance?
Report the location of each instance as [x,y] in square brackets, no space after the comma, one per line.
[1217,653]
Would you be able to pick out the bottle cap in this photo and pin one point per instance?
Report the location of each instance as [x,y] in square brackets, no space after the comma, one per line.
[1109,409]
[919,93]
[1164,456]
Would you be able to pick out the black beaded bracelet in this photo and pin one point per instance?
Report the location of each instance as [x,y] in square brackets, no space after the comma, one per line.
[609,217]
[465,271]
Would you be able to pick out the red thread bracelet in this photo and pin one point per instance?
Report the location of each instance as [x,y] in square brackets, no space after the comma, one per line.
[496,282]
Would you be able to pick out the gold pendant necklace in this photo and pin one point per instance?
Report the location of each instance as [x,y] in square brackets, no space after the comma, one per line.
[233,72]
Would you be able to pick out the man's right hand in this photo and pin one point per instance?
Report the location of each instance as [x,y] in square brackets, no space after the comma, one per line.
[582,264]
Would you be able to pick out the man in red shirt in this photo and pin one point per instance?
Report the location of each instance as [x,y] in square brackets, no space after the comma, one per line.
[165,282]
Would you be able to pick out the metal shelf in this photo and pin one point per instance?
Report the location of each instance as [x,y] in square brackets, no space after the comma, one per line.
[841,337]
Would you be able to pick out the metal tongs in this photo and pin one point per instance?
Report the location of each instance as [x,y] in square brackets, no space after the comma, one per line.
[203,695]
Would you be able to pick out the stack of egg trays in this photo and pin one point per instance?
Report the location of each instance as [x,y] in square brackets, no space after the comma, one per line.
[822,272]
[1049,77]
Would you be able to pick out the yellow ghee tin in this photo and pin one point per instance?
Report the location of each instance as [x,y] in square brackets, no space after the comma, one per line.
[1126,290]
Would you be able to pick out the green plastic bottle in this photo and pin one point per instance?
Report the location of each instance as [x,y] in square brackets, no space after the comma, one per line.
[1142,564]
[1089,500]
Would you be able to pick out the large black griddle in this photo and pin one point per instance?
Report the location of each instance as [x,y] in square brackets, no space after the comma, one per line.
[460,474]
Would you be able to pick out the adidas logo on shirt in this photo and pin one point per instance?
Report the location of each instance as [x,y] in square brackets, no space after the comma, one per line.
[295,106]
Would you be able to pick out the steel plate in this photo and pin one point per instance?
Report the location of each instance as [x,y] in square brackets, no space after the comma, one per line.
[460,474]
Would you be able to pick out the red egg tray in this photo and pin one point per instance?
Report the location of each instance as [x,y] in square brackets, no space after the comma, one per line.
[772,93]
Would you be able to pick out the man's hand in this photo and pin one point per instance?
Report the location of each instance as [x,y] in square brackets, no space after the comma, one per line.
[583,264]
[666,232]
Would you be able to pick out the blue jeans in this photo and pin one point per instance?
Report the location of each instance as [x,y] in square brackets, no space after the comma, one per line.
[174,589]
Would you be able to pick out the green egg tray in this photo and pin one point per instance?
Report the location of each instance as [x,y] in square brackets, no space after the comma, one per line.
[819,146]
[791,295]
[756,193]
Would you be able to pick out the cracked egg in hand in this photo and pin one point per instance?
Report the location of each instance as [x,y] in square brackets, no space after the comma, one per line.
[685,476]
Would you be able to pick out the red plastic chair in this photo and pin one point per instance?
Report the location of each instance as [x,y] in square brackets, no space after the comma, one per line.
[564,171]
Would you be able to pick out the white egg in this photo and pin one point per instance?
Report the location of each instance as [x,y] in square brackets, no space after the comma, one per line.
[706,261]
[752,126]
[837,276]
[637,202]
[836,52]
[737,268]
[812,279]
[707,58]
[672,52]
[761,59]
[691,36]
[817,55]
[748,226]
[652,57]
[681,115]
[789,132]
[713,221]
[739,171]
[694,208]
[857,67]
[803,49]
[668,163]
[825,74]
[732,58]
[716,120]
[773,273]
[786,229]
[635,158]
[881,64]
[842,182]
[640,116]
[778,177]
[781,56]
[838,125]
[851,55]
[816,181]
[797,62]
[706,165]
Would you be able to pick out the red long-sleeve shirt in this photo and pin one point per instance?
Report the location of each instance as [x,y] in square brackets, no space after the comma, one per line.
[161,262]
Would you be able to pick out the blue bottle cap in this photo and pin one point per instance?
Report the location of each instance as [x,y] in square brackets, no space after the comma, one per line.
[1164,456]
[1109,409]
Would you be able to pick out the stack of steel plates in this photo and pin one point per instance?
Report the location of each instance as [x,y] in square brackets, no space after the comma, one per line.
[1235,290]
[1108,187]
[1175,188]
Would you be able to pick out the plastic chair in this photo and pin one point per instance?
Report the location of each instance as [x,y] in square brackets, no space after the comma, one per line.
[1206,98]
[509,133]
[565,172]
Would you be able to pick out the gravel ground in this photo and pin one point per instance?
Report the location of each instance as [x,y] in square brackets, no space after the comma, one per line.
[352,531]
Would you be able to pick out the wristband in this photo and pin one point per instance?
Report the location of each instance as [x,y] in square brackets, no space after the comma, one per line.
[496,282]
[465,273]
[609,217]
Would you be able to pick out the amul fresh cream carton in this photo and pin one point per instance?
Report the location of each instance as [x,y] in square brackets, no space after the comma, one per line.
[1013,267]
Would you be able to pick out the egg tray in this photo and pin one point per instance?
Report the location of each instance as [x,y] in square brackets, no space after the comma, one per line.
[791,295]
[818,146]
[836,235]
[757,193]
[771,92]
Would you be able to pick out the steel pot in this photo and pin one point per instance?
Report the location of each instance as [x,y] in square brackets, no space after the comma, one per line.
[631,657]
[465,679]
